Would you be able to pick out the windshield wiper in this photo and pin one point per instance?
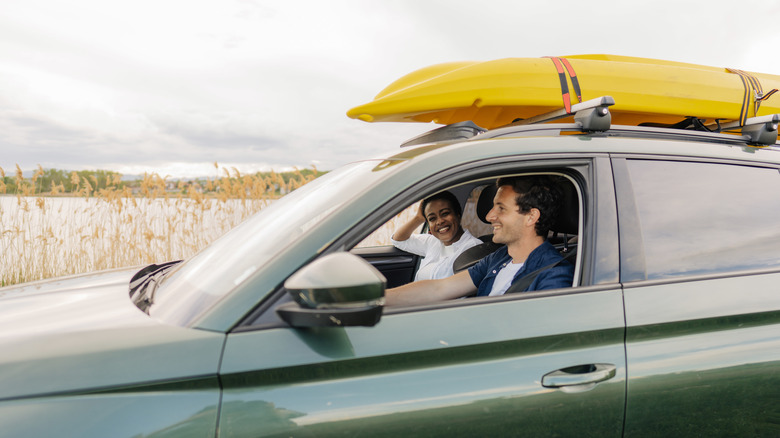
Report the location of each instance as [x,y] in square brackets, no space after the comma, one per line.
[144,284]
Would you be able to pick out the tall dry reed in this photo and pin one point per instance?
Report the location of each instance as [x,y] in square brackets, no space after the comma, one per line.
[53,234]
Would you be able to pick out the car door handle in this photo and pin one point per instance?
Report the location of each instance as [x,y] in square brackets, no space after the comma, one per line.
[391,260]
[579,375]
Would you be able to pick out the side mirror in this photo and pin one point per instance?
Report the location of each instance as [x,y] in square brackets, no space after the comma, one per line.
[336,290]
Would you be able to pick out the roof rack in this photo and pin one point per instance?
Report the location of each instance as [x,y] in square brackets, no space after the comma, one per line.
[591,115]
[760,131]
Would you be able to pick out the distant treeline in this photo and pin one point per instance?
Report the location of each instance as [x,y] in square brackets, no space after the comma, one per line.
[89,182]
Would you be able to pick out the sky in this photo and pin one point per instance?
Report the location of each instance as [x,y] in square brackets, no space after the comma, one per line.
[173,86]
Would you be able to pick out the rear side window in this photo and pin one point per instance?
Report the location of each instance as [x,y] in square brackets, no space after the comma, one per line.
[699,218]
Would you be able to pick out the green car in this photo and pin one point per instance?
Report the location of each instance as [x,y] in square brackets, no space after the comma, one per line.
[670,328]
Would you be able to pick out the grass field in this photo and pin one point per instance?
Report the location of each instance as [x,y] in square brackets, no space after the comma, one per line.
[103,223]
[49,234]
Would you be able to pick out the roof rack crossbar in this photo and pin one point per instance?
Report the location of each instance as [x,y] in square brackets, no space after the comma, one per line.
[591,115]
[760,130]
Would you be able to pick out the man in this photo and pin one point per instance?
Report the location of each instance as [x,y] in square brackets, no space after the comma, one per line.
[524,209]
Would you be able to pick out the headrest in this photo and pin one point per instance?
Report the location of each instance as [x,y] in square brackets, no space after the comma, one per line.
[485,202]
[569,213]
[568,216]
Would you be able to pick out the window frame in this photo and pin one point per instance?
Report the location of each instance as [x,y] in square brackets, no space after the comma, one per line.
[581,168]
[633,268]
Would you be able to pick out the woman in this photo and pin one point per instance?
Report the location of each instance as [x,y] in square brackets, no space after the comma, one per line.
[446,241]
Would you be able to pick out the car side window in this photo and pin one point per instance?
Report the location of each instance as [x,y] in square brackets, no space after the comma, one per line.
[381,236]
[700,218]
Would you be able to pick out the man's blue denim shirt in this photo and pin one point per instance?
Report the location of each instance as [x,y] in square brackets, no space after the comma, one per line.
[483,274]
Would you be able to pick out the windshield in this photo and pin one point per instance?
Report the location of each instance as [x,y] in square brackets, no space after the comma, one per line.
[200,281]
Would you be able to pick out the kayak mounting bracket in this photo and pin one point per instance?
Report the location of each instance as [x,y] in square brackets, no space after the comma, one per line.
[455,131]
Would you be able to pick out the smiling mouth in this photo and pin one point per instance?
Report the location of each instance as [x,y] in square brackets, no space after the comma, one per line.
[443,229]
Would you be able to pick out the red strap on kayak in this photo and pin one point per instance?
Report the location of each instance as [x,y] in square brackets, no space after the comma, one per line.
[564,84]
[562,66]
[574,81]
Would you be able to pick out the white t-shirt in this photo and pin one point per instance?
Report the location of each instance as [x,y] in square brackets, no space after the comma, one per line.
[437,258]
[504,278]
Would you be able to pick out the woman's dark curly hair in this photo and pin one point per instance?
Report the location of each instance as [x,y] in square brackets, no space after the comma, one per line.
[539,192]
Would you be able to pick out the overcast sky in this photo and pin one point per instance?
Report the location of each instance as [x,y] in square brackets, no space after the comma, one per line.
[172,86]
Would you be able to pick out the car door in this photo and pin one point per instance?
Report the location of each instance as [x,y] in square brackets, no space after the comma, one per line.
[700,261]
[547,363]
[459,369]
[397,266]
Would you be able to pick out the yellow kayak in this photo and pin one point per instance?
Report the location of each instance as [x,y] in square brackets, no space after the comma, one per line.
[496,93]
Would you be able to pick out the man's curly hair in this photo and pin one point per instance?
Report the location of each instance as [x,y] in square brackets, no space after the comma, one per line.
[539,192]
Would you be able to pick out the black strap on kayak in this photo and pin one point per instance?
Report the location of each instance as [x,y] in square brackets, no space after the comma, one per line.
[562,66]
[764,97]
[753,92]
[749,87]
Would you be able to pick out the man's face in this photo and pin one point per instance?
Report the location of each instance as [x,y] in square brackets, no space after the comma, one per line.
[509,225]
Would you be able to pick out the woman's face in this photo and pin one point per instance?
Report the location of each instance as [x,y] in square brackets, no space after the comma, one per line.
[443,223]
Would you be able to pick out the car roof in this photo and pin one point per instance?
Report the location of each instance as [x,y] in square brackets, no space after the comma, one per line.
[548,138]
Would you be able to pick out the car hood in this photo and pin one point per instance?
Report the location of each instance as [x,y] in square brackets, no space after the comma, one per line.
[82,333]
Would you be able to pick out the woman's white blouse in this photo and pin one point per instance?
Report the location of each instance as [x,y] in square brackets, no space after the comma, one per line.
[437,258]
